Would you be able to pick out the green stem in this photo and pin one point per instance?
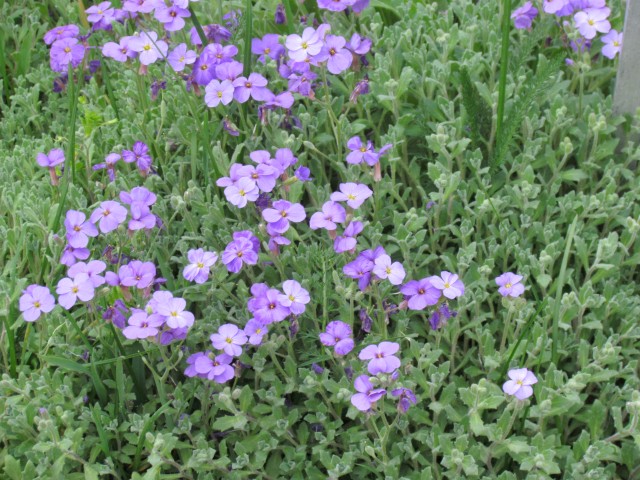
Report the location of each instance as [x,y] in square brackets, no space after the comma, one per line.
[504,64]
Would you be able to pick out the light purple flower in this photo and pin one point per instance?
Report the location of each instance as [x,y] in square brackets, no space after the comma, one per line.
[367,395]
[139,6]
[100,13]
[360,5]
[34,301]
[335,5]
[295,297]
[254,87]
[137,274]
[180,57]
[238,252]
[244,190]
[510,285]
[217,92]
[149,48]
[332,213]
[359,269]
[110,215]
[449,283]
[139,153]
[199,264]
[61,32]
[120,51]
[64,52]
[172,17]
[255,330]
[71,255]
[520,383]
[229,339]
[384,269]
[338,335]
[205,365]
[361,152]
[301,47]
[78,229]
[381,357]
[69,290]
[553,6]
[54,158]
[338,58]
[591,21]
[266,306]
[282,213]
[347,241]
[174,311]
[142,325]
[359,45]
[93,269]
[420,293]
[523,16]
[263,175]
[612,44]
[353,193]
[267,46]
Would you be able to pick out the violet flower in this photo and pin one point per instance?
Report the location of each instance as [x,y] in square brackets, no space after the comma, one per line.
[267,46]
[71,255]
[255,330]
[519,383]
[61,32]
[110,215]
[523,16]
[347,241]
[449,283]
[229,339]
[34,301]
[217,92]
[353,193]
[142,325]
[254,87]
[420,294]
[510,285]
[64,52]
[592,20]
[406,398]
[139,154]
[237,253]
[172,17]
[180,57]
[381,357]
[338,58]
[367,396]
[612,44]
[384,269]
[199,264]
[335,5]
[174,311]
[93,269]
[78,229]
[70,290]
[282,213]
[295,297]
[149,48]
[301,47]
[338,335]
[332,214]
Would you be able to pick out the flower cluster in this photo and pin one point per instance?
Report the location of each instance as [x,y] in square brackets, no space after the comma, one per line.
[590,17]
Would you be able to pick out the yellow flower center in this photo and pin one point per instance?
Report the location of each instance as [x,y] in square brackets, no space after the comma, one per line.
[75,289]
[591,22]
[239,255]
[204,67]
[36,304]
[351,196]
[363,149]
[242,193]
[267,51]
[147,47]
[283,214]
[229,340]
[200,265]
[248,84]
[182,59]
[332,51]
[305,45]
[76,228]
[292,298]
[67,49]
[616,43]
[219,94]
[519,382]
[174,314]
[258,331]
[508,285]
[446,285]
[388,270]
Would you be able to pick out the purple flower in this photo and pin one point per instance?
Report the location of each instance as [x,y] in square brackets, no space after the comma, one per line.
[282,213]
[71,255]
[301,47]
[420,293]
[229,339]
[347,241]
[381,357]
[449,283]
[180,57]
[217,92]
[171,16]
[523,16]
[338,58]
[332,213]
[174,311]
[137,274]
[139,200]
[520,383]
[255,330]
[139,6]
[254,87]
[93,269]
[359,269]
[440,316]
[247,235]
[199,264]
[263,175]
[109,164]
[205,365]
[64,52]
[267,46]
[612,44]
[383,268]
[591,21]
[214,33]
[335,5]
[59,33]
[280,18]
[266,306]
[510,285]
[100,13]
[295,297]
[360,5]
[78,229]
[338,335]
[361,152]
[366,320]
[553,6]
[359,45]
[172,335]
[243,191]
[69,290]
[35,300]
[54,158]
[353,193]
[406,398]
[110,215]
[116,314]
[139,154]
[149,48]
[142,325]
[238,252]
[367,395]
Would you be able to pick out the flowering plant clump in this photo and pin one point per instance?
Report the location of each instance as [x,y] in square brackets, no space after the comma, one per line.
[287,239]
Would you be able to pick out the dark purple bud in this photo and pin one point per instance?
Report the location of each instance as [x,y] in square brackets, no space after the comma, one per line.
[280,16]
[349,372]
[262,114]
[60,83]
[303,174]
[317,368]
[85,355]
[263,201]
[430,204]
[85,399]
[293,327]
[317,427]
[361,88]
[156,86]
[434,320]
[366,320]
[94,65]
[230,127]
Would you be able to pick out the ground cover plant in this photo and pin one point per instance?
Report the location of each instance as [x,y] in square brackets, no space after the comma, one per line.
[322,239]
